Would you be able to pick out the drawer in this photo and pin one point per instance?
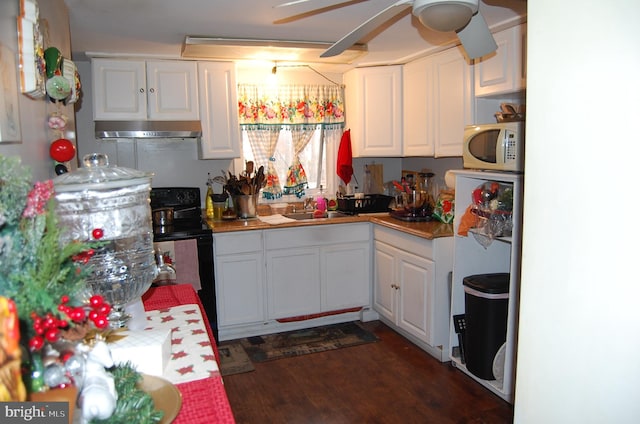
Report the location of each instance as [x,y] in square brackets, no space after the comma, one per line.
[237,242]
[318,235]
[409,243]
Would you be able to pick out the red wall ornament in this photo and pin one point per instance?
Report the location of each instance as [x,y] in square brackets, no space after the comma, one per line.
[62,150]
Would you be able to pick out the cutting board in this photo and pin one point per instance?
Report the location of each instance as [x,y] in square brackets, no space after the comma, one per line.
[376,172]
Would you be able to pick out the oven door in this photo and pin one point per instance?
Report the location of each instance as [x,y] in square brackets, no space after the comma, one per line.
[202,247]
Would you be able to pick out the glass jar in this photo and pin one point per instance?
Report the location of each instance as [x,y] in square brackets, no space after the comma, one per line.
[110,204]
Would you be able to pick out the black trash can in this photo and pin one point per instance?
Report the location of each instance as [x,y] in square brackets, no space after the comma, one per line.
[486,304]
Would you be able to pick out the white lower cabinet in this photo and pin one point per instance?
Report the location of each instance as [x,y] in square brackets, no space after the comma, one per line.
[272,280]
[314,270]
[239,276]
[293,281]
[411,287]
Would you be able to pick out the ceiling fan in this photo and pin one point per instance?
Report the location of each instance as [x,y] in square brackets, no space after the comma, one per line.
[461,16]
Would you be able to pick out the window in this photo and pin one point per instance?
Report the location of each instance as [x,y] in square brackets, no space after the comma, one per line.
[313,159]
[286,123]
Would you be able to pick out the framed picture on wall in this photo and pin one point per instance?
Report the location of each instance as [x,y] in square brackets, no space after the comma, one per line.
[9,108]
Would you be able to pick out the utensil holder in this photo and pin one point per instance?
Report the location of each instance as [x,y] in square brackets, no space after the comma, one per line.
[246,205]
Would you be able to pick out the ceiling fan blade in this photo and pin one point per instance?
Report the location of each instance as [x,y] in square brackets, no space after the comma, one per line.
[316,4]
[476,38]
[364,29]
[306,7]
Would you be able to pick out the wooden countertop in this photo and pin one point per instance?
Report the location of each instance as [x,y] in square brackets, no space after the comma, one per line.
[428,230]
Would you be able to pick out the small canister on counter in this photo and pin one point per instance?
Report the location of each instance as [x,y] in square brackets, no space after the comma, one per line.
[219,205]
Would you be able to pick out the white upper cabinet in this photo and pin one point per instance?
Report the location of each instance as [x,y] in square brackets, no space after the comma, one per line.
[438,103]
[144,90]
[374,110]
[505,71]
[418,135]
[218,110]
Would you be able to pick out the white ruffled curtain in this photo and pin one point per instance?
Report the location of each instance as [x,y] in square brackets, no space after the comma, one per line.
[263,140]
[300,108]
[296,176]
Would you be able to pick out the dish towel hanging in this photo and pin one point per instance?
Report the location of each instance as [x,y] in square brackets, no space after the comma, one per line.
[184,258]
[344,167]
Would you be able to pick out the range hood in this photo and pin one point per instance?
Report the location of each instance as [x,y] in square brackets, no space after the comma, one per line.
[148,129]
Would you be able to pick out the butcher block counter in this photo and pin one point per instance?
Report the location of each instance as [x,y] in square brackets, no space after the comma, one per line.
[428,230]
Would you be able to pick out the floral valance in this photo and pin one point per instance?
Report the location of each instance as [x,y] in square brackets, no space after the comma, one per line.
[290,104]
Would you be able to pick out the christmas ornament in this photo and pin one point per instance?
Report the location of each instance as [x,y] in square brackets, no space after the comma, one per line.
[62,150]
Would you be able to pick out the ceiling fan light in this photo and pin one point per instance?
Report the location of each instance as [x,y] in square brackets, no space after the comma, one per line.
[444,16]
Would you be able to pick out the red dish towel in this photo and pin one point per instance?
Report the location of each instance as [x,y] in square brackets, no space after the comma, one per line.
[344,167]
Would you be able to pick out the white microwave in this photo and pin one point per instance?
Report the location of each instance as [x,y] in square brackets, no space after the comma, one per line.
[498,147]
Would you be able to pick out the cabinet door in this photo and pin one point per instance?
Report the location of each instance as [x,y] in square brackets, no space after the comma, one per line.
[346,276]
[416,281]
[218,111]
[172,90]
[453,105]
[384,280]
[119,89]
[239,288]
[417,89]
[374,110]
[293,282]
[503,72]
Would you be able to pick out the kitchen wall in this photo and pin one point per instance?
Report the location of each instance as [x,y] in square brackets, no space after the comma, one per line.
[36,136]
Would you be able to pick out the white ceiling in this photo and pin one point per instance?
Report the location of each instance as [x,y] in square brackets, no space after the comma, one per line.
[158,27]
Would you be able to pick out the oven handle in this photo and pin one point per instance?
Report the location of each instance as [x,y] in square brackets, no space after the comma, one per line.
[178,213]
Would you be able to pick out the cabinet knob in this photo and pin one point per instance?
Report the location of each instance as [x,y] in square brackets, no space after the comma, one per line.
[142,90]
[152,90]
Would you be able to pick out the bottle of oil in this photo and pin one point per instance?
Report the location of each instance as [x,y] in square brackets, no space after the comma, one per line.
[208,202]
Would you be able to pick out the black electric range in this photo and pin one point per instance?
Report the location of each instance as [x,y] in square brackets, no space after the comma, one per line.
[188,224]
[187,213]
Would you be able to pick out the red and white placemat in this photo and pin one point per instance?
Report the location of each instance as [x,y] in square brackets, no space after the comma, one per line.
[192,356]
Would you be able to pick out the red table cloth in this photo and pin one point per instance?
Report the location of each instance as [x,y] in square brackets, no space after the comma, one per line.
[205,400]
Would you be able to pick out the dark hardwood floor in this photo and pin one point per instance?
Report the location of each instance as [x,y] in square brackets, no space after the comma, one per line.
[390,381]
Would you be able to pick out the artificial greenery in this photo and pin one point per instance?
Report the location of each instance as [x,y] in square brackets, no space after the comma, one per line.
[133,405]
[35,270]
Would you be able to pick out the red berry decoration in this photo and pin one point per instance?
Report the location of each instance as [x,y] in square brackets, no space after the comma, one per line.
[52,334]
[97,234]
[62,150]
[77,314]
[36,343]
[104,309]
[96,300]
[101,322]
